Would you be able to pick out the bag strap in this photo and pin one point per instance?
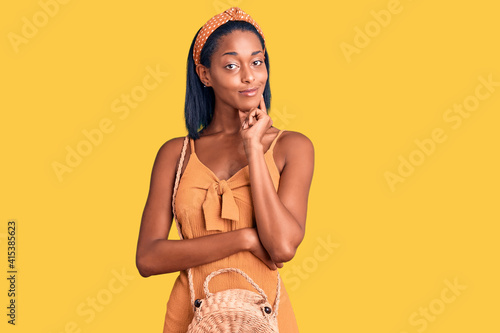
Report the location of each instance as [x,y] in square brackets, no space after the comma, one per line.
[189,274]
[177,178]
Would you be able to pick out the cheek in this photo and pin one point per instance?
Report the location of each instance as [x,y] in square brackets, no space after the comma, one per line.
[263,76]
[228,82]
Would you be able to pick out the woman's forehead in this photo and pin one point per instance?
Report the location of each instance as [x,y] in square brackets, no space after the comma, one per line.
[241,42]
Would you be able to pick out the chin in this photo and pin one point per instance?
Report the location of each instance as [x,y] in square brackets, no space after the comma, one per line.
[249,103]
[247,108]
[244,108]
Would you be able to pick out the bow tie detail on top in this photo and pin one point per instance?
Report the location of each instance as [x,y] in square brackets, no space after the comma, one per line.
[216,213]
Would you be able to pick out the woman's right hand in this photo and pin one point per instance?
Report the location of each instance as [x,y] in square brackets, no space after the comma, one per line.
[258,250]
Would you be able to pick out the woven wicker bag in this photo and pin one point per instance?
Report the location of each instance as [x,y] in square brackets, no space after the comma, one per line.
[233,310]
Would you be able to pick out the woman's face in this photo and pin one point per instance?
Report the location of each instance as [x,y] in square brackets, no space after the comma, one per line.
[237,65]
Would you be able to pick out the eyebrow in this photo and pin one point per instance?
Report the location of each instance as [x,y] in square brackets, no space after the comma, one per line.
[236,53]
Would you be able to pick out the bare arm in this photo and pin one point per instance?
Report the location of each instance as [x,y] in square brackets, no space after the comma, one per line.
[167,256]
[281,215]
[155,253]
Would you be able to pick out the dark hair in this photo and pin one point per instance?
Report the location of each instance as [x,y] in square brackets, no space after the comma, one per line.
[200,101]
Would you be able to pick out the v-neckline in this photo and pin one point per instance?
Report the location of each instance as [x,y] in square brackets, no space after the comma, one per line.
[215,176]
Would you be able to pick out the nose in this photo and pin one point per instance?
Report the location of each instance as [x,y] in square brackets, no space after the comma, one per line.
[247,74]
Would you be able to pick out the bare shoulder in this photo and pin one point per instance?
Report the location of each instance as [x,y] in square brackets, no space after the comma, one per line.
[168,155]
[172,148]
[294,142]
[293,146]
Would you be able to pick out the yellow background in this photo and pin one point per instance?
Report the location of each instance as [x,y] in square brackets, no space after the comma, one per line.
[392,250]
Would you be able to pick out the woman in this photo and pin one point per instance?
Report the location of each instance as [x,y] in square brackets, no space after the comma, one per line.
[242,196]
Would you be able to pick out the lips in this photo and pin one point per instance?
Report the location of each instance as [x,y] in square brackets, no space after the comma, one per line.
[248,90]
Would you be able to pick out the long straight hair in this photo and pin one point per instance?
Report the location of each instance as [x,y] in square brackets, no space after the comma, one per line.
[200,101]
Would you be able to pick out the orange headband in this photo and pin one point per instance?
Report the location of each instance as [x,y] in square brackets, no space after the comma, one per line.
[231,14]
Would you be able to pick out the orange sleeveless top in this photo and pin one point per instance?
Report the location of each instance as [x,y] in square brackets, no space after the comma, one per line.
[206,205]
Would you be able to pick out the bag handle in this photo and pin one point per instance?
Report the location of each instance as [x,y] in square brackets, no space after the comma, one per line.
[224,270]
[189,273]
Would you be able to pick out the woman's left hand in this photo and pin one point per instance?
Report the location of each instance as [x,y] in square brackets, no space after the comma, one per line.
[255,123]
